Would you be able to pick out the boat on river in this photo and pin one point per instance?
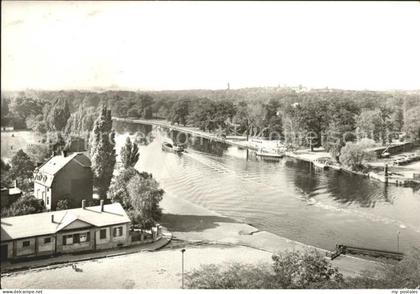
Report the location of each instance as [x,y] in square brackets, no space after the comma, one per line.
[171,147]
[273,153]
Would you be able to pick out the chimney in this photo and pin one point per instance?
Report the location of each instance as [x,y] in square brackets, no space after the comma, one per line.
[102,205]
[64,153]
[84,204]
[52,218]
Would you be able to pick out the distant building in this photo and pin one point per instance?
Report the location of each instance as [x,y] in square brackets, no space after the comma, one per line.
[64,231]
[7,128]
[64,177]
[9,195]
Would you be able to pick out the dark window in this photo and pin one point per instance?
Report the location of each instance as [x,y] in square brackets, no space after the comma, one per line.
[102,234]
[26,243]
[117,232]
[47,240]
[76,238]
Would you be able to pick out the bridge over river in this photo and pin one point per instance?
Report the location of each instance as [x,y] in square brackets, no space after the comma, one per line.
[189,130]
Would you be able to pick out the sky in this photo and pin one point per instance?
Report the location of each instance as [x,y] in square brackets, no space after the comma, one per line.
[190,45]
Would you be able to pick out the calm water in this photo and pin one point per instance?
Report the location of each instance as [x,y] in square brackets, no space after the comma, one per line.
[289,198]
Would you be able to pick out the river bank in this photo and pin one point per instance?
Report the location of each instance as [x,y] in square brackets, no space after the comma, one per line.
[196,225]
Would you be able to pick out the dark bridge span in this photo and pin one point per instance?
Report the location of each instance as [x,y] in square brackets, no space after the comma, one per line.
[188,130]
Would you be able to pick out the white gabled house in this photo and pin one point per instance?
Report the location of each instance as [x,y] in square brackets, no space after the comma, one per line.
[65,231]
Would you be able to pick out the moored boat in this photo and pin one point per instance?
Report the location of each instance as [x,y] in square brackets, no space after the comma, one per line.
[169,147]
[270,153]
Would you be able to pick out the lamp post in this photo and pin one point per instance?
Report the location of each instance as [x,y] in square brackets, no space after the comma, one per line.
[182,276]
[398,241]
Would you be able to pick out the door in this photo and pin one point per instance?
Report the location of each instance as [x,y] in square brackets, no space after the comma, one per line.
[3,252]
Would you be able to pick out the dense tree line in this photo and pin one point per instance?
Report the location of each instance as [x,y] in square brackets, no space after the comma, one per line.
[314,118]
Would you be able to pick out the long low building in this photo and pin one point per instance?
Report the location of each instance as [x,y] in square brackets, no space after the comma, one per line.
[65,231]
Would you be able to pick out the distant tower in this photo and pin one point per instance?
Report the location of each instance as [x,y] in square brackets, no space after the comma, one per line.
[228,86]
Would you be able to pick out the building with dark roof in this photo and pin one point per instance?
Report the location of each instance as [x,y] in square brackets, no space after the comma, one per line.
[64,176]
[9,195]
[64,231]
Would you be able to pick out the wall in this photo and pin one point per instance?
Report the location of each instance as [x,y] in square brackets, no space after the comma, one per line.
[46,248]
[74,182]
[75,247]
[110,241]
[25,251]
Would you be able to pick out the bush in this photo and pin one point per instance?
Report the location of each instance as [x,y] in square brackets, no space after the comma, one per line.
[63,204]
[231,276]
[24,205]
[290,270]
[354,155]
[305,270]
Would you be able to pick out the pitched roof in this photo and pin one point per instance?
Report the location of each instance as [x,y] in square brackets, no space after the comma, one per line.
[47,171]
[38,224]
[57,162]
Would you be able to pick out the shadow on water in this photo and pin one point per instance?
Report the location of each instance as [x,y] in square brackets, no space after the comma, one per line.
[193,223]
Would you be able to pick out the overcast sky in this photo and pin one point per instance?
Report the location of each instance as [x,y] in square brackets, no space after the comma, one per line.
[183,45]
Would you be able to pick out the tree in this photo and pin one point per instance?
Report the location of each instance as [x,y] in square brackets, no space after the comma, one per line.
[179,112]
[56,142]
[304,270]
[374,124]
[145,195]
[63,204]
[340,130]
[57,115]
[118,190]
[22,167]
[24,205]
[353,155]
[102,152]
[81,121]
[38,152]
[129,154]
[412,123]
[4,111]
[5,178]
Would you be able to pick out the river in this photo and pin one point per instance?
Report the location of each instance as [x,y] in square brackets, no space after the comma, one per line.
[289,197]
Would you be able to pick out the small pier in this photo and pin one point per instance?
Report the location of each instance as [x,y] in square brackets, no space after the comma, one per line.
[345,249]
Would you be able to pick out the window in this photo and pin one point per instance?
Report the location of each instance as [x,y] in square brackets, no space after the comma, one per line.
[68,240]
[102,234]
[48,200]
[84,237]
[118,231]
[26,243]
[47,240]
[76,238]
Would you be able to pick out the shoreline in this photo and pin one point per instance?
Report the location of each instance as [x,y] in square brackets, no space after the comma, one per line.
[196,225]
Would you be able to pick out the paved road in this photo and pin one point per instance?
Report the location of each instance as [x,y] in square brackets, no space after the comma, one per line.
[145,270]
